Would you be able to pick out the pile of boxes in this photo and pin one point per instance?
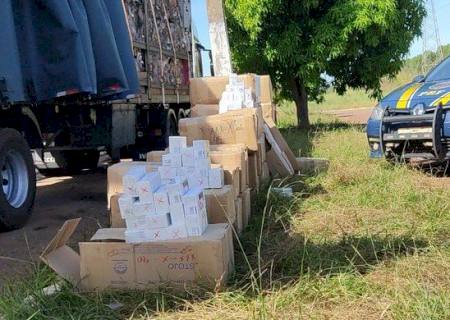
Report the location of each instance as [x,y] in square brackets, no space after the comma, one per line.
[169,203]
[236,96]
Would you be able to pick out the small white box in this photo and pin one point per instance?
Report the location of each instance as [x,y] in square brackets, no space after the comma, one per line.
[196,230]
[201,149]
[203,163]
[197,180]
[187,157]
[143,209]
[156,235]
[194,202]
[167,173]
[157,221]
[126,203]
[175,161]
[136,223]
[161,201]
[177,214]
[176,190]
[216,178]
[147,186]
[176,144]
[130,179]
[167,160]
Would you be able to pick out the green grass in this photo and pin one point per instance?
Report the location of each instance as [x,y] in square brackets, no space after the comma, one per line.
[367,240]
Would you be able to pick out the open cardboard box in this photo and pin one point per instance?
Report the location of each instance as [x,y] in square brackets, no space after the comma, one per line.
[107,262]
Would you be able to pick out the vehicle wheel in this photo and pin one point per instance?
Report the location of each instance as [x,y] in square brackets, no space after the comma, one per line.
[18,179]
[72,162]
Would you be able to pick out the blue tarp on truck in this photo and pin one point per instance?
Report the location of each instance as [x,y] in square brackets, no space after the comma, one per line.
[56,48]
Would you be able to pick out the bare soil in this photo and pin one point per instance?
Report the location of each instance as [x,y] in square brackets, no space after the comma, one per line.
[353,116]
[57,200]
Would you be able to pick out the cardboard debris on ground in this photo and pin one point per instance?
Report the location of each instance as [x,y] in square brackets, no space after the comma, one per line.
[107,262]
[276,158]
[241,126]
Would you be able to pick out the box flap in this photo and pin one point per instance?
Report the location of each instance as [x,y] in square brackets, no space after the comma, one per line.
[61,258]
[109,234]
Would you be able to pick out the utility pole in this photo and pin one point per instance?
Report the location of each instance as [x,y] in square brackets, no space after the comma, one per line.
[220,45]
[432,52]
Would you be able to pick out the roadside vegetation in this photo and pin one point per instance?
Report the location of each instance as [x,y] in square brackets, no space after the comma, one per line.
[366,240]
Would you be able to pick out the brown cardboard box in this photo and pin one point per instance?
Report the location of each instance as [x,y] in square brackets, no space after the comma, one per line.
[106,262]
[220,205]
[239,226]
[246,206]
[274,134]
[266,88]
[209,90]
[276,166]
[155,156]
[232,156]
[204,110]
[241,126]
[115,174]
[115,217]
[253,171]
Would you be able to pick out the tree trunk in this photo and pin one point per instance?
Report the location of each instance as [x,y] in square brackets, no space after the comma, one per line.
[301,102]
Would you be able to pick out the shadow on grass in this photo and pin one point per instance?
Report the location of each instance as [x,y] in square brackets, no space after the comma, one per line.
[301,141]
[284,256]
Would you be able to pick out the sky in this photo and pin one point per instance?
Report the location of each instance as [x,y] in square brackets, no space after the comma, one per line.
[442,8]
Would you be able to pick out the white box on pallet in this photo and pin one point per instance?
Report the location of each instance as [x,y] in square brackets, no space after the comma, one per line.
[177,214]
[187,157]
[157,221]
[167,174]
[126,203]
[131,178]
[194,202]
[176,161]
[147,186]
[162,201]
[216,178]
[176,190]
[135,236]
[167,160]
[142,209]
[201,149]
[176,144]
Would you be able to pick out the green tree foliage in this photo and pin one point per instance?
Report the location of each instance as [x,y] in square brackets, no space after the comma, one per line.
[355,42]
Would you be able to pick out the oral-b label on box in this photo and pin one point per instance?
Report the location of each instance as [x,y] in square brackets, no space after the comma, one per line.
[161,201]
[126,203]
[130,179]
[176,144]
[187,157]
[216,178]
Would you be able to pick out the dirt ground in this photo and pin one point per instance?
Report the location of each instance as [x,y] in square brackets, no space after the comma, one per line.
[353,116]
[57,200]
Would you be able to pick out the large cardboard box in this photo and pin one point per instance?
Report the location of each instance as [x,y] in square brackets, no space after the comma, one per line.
[220,205]
[204,110]
[107,262]
[246,206]
[116,173]
[231,157]
[209,90]
[266,95]
[155,156]
[240,126]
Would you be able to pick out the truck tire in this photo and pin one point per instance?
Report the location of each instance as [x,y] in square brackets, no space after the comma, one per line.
[18,180]
[72,162]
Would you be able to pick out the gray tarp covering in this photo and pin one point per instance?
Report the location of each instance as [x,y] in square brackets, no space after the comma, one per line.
[65,47]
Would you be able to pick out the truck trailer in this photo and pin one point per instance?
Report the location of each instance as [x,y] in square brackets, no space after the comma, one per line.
[81,77]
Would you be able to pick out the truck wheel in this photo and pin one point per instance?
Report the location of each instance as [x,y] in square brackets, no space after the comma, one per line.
[18,180]
[72,162]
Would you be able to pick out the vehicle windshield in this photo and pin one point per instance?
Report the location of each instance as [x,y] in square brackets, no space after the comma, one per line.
[441,72]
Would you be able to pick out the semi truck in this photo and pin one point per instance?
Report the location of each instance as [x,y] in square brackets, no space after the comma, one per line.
[81,77]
